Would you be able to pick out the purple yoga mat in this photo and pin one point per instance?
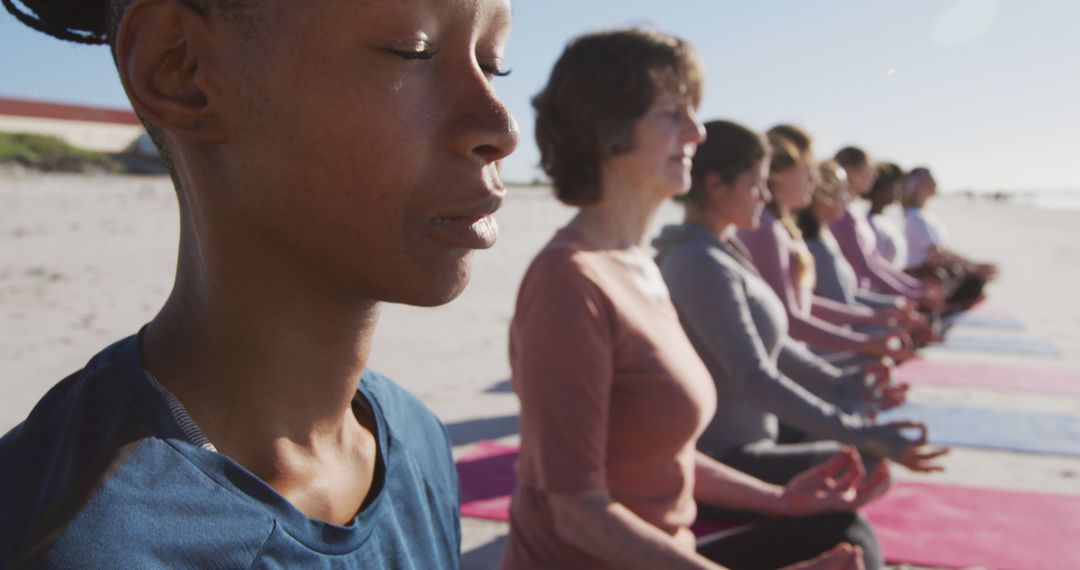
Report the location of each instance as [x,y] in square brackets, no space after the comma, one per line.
[487,480]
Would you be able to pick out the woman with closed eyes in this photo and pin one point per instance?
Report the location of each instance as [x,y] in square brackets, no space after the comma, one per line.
[613,396]
[328,157]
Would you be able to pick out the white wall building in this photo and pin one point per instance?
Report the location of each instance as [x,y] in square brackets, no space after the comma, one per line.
[93,128]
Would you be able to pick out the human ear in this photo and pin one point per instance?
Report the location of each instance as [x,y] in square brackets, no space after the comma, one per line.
[715,183]
[161,52]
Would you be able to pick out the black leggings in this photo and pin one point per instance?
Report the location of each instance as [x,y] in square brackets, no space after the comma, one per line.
[962,288]
[779,542]
[774,542]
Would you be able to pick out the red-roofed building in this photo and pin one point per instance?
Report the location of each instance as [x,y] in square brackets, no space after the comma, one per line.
[94,128]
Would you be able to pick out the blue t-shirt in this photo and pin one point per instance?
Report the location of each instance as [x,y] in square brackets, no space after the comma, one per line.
[101,476]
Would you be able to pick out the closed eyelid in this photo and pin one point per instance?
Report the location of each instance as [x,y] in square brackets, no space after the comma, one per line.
[495,69]
[413,45]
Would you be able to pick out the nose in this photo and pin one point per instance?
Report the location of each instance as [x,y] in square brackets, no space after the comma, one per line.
[764,196]
[694,129]
[484,128]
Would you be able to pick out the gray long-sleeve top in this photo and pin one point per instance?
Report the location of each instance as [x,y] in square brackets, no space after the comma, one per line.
[836,278]
[738,326]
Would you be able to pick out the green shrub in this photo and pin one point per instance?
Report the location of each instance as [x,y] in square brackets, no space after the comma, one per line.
[51,154]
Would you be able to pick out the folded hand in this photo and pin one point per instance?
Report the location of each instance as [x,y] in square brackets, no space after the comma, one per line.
[841,557]
[918,456]
[839,484]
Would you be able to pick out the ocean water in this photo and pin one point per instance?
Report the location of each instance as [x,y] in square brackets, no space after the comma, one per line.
[1043,200]
[1050,200]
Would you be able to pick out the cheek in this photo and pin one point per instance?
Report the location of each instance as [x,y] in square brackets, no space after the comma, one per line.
[656,143]
[344,186]
[790,190]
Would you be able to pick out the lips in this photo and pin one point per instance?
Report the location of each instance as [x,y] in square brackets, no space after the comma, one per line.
[472,227]
[686,155]
[471,232]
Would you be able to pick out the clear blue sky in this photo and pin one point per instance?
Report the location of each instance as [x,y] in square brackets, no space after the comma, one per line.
[986,92]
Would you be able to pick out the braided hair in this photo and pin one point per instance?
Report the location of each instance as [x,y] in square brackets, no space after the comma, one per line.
[79,21]
[96,22]
[92,22]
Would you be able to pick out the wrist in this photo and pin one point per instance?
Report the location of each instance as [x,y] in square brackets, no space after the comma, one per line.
[857,384]
[778,503]
[884,441]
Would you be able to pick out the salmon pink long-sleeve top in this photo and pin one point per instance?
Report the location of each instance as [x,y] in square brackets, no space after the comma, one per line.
[613,397]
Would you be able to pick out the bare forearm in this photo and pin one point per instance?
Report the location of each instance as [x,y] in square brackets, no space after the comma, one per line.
[609,531]
[723,486]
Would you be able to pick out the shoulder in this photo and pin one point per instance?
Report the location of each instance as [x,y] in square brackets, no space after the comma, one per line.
[70,429]
[915,218]
[820,249]
[564,260]
[152,504]
[768,234]
[99,382]
[698,263]
[564,276]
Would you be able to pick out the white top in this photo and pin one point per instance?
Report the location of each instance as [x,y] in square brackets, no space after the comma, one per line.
[890,241]
[867,238]
[923,231]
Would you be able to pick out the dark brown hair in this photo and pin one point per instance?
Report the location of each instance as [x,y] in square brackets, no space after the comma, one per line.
[852,157]
[729,150]
[794,135]
[889,176]
[784,154]
[601,84]
[911,182]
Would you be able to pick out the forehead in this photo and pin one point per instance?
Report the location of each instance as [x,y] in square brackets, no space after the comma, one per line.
[485,11]
[673,86]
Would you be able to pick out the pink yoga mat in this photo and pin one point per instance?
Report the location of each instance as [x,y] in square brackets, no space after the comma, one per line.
[487,481]
[1019,378]
[918,523]
[959,527]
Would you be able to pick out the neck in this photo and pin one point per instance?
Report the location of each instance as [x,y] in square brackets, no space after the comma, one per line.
[265,359]
[621,218]
[715,223]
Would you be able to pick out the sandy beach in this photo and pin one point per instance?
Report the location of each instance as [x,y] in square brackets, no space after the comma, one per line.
[86,260]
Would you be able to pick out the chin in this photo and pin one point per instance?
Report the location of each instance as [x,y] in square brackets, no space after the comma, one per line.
[436,288]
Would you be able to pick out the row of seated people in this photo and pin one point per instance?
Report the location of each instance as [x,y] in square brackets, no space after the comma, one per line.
[733,375]
[646,389]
